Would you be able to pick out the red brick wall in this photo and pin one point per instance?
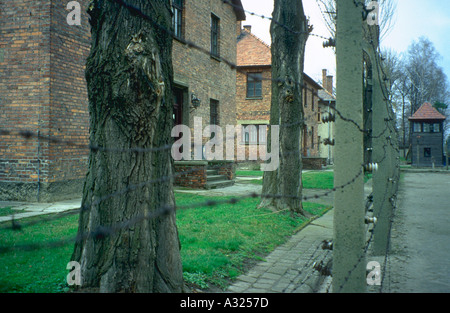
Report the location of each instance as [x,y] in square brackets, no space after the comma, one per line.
[43,90]
[252,110]
[69,117]
[192,175]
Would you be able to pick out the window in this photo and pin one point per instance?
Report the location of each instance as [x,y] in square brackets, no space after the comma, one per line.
[305,97]
[178,18]
[214,112]
[426,128]
[436,128]
[312,137]
[254,85]
[417,127]
[254,134]
[427,152]
[215,32]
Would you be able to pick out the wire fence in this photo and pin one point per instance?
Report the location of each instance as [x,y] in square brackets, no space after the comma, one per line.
[317,262]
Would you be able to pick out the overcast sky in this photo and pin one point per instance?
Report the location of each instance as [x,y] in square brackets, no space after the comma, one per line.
[414,18]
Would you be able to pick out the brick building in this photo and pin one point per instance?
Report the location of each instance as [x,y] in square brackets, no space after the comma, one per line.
[427,136]
[201,76]
[43,91]
[326,128]
[205,83]
[253,96]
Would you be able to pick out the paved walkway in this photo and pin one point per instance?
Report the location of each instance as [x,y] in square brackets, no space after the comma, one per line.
[29,209]
[289,268]
[419,258]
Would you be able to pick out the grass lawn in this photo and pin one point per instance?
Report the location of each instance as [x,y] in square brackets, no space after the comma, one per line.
[9,211]
[310,180]
[217,243]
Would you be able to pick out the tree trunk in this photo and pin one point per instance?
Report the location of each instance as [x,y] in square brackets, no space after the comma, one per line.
[129,74]
[282,188]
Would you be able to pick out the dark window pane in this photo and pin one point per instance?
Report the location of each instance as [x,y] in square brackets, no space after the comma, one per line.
[214,112]
[214,35]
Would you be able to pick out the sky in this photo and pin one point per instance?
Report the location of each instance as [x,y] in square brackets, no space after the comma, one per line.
[413,19]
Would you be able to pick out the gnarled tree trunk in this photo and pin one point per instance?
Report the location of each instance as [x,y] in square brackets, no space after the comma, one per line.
[282,188]
[129,74]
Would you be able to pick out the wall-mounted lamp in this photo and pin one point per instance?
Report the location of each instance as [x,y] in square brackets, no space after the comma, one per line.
[195,101]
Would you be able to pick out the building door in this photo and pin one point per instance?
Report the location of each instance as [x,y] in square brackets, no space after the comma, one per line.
[178,106]
[178,113]
[305,149]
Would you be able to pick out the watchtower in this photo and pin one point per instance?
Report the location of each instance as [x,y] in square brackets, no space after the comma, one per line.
[427,136]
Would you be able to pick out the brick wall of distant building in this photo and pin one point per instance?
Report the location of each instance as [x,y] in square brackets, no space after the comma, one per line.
[257,111]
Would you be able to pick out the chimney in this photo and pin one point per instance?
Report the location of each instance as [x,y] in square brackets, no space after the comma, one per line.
[324,79]
[330,84]
[248,28]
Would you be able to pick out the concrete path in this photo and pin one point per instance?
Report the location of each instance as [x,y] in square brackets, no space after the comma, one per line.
[420,251]
[29,209]
[289,268]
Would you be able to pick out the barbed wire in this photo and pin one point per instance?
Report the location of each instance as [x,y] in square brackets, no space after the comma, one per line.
[103,231]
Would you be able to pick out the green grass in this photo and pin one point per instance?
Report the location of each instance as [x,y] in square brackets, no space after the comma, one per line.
[310,180]
[249,173]
[41,271]
[9,211]
[217,242]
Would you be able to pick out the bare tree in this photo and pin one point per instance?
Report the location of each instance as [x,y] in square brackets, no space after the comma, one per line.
[417,79]
[386,17]
[427,79]
[124,244]
[289,36]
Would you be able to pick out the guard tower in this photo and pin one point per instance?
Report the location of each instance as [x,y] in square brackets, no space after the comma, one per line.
[427,137]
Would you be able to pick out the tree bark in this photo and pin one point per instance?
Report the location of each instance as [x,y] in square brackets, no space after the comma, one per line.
[282,188]
[129,77]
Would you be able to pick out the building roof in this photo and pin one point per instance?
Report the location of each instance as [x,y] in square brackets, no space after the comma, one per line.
[427,112]
[239,10]
[253,52]
[325,95]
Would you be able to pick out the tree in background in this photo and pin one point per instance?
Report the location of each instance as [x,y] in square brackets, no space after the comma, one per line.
[283,187]
[386,18]
[427,79]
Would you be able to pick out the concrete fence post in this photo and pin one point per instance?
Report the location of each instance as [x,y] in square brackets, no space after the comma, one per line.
[382,154]
[349,268]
